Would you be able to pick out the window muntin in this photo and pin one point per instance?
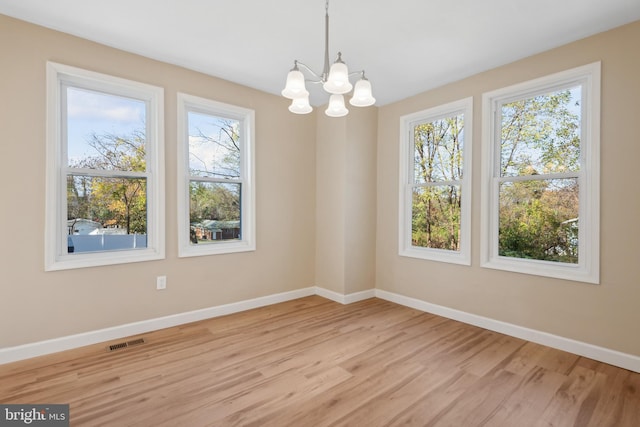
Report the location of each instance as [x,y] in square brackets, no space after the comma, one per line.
[435,173]
[216,168]
[104,191]
[541,198]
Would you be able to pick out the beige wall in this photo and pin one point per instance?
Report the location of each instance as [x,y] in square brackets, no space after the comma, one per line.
[346,199]
[360,200]
[331,163]
[606,315]
[36,305]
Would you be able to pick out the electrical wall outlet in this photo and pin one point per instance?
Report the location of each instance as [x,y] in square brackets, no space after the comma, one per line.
[161,282]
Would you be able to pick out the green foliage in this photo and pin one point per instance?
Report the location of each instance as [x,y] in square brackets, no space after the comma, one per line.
[436,218]
[214,201]
[538,221]
[436,207]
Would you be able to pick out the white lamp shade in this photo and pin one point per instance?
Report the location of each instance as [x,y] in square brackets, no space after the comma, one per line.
[336,107]
[362,96]
[338,80]
[295,87]
[300,105]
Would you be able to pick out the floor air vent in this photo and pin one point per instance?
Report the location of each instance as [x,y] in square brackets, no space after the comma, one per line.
[121,345]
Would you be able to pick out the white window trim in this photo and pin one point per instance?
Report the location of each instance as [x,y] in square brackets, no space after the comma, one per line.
[587,270]
[246,117]
[407,122]
[56,256]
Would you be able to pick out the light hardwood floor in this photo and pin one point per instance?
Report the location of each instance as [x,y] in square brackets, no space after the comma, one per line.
[313,362]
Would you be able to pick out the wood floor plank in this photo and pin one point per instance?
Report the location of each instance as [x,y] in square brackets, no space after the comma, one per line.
[493,354]
[526,358]
[436,401]
[529,400]
[314,362]
[383,407]
[479,402]
[619,400]
[340,401]
[571,396]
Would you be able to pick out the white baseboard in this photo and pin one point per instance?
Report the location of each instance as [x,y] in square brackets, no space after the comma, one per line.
[27,351]
[345,299]
[601,354]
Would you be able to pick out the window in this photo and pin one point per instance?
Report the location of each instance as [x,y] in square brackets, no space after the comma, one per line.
[541,176]
[216,211]
[435,173]
[104,176]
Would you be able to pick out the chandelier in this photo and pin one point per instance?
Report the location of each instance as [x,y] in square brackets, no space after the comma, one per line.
[334,80]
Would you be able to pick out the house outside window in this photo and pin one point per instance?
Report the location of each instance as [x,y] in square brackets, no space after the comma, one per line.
[105,185]
[540,199]
[435,176]
[216,208]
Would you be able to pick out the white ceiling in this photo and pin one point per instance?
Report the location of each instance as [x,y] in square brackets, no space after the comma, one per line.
[405,46]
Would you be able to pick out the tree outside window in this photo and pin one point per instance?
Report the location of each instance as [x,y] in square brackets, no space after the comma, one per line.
[215,164]
[437,200]
[540,200]
[539,197]
[104,170]
[435,170]
[215,185]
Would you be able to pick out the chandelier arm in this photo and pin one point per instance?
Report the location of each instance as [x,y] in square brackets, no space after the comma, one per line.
[316,75]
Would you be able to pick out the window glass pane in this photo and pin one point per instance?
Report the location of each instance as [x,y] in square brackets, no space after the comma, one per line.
[541,134]
[214,146]
[105,131]
[435,217]
[99,206]
[539,220]
[438,150]
[214,212]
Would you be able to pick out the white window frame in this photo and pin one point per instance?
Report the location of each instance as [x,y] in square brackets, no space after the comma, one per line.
[587,268]
[407,124]
[60,76]
[246,117]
